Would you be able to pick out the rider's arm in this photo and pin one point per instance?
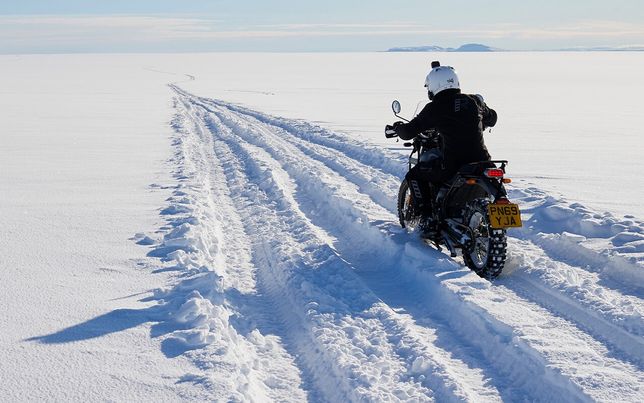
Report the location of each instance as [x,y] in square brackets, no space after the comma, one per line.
[425,120]
[489,114]
[489,117]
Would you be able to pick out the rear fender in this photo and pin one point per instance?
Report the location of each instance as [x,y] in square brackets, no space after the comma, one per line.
[493,187]
[460,193]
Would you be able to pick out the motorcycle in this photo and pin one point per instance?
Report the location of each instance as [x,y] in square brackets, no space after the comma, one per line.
[471,211]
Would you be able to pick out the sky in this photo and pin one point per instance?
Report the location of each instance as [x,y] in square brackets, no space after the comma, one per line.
[77,26]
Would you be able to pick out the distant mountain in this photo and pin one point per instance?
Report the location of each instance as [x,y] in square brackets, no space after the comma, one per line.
[477,47]
[469,47]
[420,49]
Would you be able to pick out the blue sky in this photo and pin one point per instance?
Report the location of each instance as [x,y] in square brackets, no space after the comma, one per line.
[50,26]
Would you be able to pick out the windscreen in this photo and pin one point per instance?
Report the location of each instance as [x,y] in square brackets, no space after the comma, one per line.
[419,106]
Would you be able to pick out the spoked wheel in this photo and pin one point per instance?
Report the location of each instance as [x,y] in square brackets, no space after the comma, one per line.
[486,255]
[406,213]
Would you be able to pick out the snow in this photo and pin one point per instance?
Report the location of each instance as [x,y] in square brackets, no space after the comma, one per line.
[232,236]
[560,127]
[78,152]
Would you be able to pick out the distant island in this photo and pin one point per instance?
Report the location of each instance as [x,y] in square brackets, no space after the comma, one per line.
[469,47]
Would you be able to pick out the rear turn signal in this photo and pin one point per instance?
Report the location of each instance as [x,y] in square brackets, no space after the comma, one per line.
[471,181]
[502,200]
[506,180]
[494,173]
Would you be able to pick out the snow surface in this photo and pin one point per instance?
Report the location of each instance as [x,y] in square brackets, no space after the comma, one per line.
[164,242]
[570,123]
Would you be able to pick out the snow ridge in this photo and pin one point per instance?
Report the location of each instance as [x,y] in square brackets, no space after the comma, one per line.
[199,244]
[294,277]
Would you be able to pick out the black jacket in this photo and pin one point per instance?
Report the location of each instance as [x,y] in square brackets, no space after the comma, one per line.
[460,119]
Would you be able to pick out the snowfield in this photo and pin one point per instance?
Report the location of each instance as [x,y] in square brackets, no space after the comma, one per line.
[265,262]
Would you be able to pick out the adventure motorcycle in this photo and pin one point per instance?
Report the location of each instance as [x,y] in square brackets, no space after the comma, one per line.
[470,212]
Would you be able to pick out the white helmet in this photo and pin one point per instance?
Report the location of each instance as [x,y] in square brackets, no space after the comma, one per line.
[440,78]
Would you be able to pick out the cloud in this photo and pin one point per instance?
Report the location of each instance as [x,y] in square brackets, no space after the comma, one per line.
[21,34]
[578,29]
[23,27]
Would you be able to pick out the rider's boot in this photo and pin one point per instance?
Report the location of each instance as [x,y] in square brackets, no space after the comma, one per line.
[428,228]
[428,224]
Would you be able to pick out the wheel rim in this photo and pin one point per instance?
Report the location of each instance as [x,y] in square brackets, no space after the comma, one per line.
[481,248]
[410,221]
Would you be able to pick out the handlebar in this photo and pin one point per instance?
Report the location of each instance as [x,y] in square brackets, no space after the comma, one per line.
[429,138]
[390,132]
[427,135]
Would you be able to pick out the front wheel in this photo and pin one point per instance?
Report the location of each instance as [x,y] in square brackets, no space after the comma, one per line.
[407,215]
[487,252]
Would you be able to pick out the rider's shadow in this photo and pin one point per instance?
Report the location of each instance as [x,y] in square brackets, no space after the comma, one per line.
[118,320]
[112,322]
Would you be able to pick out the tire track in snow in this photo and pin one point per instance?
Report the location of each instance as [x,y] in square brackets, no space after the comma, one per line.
[426,363]
[370,180]
[623,274]
[307,178]
[454,292]
[580,303]
[573,293]
[346,230]
[313,283]
[262,142]
[387,162]
[262,369]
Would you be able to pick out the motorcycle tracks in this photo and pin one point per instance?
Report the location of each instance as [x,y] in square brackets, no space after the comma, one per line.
[313,264]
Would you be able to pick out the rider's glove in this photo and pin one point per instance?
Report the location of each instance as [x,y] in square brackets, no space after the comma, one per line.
[390,130]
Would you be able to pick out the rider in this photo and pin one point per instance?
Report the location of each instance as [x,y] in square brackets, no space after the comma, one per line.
[459,118]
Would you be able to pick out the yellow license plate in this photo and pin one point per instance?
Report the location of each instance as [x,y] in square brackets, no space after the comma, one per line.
[504,215]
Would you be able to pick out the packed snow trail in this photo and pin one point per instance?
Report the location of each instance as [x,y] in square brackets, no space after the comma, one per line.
[205,243]
[296,277]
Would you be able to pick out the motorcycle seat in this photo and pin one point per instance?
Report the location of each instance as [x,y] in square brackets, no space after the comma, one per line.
[474,168]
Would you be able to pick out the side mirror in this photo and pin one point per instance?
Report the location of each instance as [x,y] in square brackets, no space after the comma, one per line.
[395,106]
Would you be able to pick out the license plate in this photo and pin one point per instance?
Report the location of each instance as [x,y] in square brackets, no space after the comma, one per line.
[504,215]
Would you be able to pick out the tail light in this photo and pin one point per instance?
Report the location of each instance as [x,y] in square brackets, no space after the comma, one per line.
[494,173]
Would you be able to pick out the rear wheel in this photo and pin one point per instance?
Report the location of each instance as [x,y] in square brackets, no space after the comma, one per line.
[406,213]
[487,252]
